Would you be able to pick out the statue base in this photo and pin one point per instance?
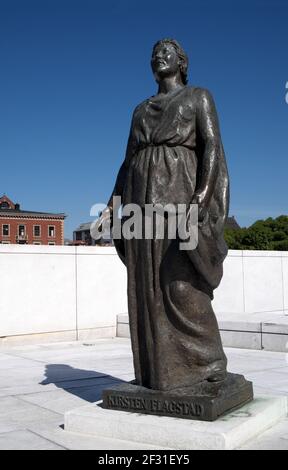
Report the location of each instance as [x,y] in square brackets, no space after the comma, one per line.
[203,402]
[120,430]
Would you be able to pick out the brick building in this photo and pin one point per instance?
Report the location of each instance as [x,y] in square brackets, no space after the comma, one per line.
[27,227]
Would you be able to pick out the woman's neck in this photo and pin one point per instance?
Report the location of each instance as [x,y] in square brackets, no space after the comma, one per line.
[168,84]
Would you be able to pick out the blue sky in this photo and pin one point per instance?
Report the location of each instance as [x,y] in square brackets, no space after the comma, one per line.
[72,72]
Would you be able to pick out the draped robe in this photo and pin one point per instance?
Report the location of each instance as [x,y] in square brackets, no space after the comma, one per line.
[174,331]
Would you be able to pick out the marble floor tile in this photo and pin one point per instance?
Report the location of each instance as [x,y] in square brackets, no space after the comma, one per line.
[39,383]
[26,440]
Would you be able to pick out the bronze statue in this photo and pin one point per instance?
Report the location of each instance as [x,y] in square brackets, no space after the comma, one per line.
[175,156]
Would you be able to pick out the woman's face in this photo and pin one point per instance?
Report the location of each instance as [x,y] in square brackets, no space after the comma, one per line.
[165,61]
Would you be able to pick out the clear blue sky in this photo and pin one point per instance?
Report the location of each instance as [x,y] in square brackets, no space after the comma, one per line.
[72,72]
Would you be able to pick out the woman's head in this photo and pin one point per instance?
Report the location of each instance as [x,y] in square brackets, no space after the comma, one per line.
[168,56]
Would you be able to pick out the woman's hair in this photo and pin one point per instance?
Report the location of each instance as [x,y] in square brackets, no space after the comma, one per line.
[181,54]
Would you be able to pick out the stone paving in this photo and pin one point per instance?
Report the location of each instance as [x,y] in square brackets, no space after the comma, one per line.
[38,384]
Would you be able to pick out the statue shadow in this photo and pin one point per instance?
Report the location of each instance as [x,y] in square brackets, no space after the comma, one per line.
[85,384]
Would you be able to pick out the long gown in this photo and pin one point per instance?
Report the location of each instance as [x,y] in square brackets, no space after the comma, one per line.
[174,331]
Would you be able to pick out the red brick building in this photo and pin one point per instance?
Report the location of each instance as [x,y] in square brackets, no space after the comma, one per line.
[26,227]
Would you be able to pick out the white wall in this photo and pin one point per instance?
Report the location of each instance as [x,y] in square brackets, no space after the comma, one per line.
[48,289]
[68,289]
[254,281]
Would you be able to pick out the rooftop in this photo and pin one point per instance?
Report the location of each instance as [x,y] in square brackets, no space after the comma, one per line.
[232,223]
[10,209]
[83,227]
[23,213]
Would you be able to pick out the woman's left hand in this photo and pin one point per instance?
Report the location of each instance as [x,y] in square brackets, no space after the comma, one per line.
[200,198]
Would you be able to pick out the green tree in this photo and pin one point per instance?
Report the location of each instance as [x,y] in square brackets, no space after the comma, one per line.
[269,234]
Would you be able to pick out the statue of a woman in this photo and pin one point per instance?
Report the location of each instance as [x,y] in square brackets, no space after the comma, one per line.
[175,156]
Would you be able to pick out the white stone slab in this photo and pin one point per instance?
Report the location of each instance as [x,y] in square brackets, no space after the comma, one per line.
[96,333]
[285,279]
[229,432]
[241,339]
[240,323]
[101,287]
[235,253]
[38,291]
[266,330]
[63,289]
[276,379]
[275,438]
[96,250]
[274,342]
[229,297]
[123,330]
[40,338]
[75,441]
[123,318]
[26,440]
[266,322]
[15,414]
[278,325]
[60,401]
[262,254]
[263,283]
[37,249]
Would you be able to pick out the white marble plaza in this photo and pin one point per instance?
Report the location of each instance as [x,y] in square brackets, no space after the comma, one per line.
[39,384]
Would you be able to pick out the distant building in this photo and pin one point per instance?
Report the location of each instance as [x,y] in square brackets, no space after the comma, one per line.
[82,236]
[232,223]
[29,227]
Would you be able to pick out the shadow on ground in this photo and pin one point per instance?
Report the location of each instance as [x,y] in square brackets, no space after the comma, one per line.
[85,384]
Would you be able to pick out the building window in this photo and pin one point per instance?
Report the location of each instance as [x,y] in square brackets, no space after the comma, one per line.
[37,231]
[87,236]
[51,231]
[36,243]
[4,205]
[5,243]
[5,230]
[21,230]
[51,243]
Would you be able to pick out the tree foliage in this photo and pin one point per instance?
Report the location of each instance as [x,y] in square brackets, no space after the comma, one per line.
[269,234]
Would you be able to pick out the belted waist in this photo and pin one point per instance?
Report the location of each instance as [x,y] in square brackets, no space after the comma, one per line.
[145,145]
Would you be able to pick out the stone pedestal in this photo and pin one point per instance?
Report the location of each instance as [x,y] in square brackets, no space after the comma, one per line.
[229,432]
[205,401]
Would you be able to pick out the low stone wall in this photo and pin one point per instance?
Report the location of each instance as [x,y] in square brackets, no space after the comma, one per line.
[52,293]
[253,282]
[260,331]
